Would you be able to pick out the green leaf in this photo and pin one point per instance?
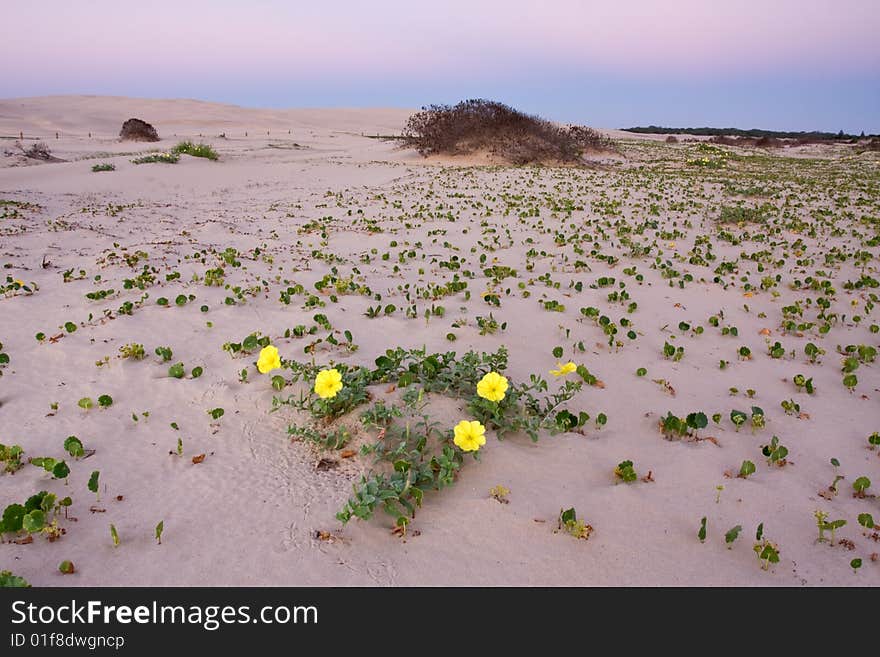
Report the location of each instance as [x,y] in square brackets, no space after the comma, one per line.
[34,521]
[85,403]
[105,401]
[34,501]
[568,516]
[8,580]
[48,502]
[47,462]
[177,371]
[61,470]
[93,481]
[12,518]
[702,533]
[74,446]
[866,520]
[197,371]
[697,420]
[738,417]
[861,484]
[732,534]
[565,420]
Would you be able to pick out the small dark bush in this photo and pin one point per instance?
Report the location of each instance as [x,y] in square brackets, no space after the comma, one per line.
[672,139]
[104,166]
[483,125]
[37,151]
[759,142]
[137,130]
[769,142]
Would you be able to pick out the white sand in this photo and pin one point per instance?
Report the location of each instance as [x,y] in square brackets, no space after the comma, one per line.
[247,515]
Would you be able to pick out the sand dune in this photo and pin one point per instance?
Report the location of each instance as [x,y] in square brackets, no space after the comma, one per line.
[324,201]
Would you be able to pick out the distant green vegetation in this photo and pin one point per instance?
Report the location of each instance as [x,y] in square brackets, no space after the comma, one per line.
[104,166]
[196,150]
[164,158]
[737,132]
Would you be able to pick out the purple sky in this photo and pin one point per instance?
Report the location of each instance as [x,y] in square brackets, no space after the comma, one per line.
[797,64]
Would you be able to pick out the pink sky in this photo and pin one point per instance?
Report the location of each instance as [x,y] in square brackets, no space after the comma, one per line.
[105,46]
[682,37]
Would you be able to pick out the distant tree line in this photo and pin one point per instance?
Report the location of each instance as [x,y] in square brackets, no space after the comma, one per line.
[737,132]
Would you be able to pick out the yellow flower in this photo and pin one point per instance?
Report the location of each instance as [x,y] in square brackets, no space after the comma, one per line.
[568,368]
[328,383]
[20,282]
[469,435]
[492,387]
[268,360]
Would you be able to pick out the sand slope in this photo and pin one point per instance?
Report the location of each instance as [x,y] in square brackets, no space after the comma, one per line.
[248,514]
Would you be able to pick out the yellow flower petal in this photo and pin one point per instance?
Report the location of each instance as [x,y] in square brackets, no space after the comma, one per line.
[492,387]
[268,360]
[328,383]
[469,435]
[568,368]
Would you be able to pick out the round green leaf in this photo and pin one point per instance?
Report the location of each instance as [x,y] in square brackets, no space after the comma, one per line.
[34,521]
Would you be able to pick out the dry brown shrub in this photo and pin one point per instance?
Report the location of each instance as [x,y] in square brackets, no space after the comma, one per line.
[479,125]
